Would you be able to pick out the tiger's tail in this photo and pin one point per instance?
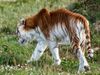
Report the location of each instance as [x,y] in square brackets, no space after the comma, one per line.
[90,51]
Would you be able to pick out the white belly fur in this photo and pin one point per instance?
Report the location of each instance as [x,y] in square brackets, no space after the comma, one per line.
[60,34]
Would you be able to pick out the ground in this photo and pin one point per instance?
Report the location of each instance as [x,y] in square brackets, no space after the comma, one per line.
[13,56]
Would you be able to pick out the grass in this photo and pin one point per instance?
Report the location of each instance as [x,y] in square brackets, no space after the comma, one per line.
[13,57]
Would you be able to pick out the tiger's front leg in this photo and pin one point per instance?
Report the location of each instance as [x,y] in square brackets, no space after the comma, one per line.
[40,48]
[55,52]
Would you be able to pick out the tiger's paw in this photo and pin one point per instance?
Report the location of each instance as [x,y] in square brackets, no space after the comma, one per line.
[57,62]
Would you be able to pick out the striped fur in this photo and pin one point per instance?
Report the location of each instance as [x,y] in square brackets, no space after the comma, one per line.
[61,25]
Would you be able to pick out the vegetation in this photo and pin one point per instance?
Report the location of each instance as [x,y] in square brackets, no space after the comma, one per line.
[13,57]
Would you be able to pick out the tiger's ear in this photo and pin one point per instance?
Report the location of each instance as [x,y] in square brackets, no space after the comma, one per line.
[22,21]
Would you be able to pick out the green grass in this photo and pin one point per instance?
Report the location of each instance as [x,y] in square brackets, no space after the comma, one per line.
[13,57]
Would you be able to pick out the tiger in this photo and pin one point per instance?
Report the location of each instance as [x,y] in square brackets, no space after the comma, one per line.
[51,28]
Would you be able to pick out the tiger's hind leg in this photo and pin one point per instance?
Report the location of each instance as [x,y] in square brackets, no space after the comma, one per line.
[83,64]
[82,45]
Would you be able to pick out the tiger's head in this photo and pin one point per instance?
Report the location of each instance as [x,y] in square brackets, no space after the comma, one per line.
[26,30]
